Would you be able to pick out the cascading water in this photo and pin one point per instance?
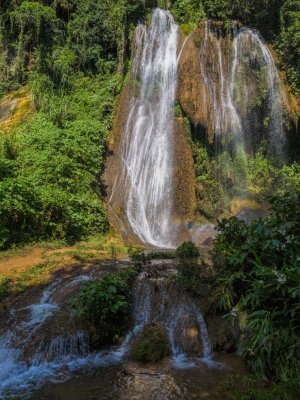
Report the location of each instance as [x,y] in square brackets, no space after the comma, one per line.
[250,51]
[242,93]
[31,355]
[225,118]
[147,147]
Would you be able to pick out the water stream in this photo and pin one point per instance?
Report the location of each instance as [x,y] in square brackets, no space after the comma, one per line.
[32,355]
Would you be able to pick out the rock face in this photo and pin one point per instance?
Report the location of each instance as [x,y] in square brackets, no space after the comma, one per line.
[152,345]
[15,108]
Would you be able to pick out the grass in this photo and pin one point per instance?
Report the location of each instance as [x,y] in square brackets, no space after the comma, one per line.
[37,275]
[49,255]
[101,245]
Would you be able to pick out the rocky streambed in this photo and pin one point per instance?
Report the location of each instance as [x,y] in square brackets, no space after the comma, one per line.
[46,351]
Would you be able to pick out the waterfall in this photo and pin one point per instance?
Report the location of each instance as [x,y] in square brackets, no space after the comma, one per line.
[241,80]
[249,51]
[147,153]
[218,83]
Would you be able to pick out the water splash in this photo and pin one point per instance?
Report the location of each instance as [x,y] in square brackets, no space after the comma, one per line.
[147,147]
[42,310]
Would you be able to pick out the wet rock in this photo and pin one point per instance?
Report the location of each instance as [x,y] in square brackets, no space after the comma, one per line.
[187,336]
[223,336]
[151,345]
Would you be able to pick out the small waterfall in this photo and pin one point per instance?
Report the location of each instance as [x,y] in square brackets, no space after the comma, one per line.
[44,309]
[242,92]
[249,51]
[225,121]
[176,312]
[147,146]
[31,355]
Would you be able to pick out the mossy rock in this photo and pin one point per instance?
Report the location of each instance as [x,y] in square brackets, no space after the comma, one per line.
[152,345]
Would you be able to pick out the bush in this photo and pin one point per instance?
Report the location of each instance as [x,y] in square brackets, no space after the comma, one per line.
[187,250]
[188,11]
[105,306]
[259,284]
[152,345]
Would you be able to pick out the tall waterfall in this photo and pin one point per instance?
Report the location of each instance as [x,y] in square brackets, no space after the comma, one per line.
[147,147]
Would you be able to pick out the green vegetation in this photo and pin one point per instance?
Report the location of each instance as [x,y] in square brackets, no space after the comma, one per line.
[105,306]
[188,11]
[39,274]
[259,285]
[49,187]
[151,345]
[249,388]
[191,275]
[187,250]
[137,254]
[225,177]
[73,56]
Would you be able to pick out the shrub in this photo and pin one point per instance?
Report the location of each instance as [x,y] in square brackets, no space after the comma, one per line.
[152,345]
[105,306]
[187,250]
[188,11]
[188,28]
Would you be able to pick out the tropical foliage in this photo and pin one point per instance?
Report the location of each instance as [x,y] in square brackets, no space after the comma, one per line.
[259,286]
[72,56]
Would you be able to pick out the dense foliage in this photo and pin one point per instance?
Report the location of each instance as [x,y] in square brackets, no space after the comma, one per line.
[105,306]
[240,177]
[49,165]
[259,284]
[72,56]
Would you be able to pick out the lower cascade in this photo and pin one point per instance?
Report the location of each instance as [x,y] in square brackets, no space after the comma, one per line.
[33,351]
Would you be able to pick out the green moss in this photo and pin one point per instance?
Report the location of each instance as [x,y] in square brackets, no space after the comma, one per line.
[177,110]
[188,28]
[152,345]
[197,40]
